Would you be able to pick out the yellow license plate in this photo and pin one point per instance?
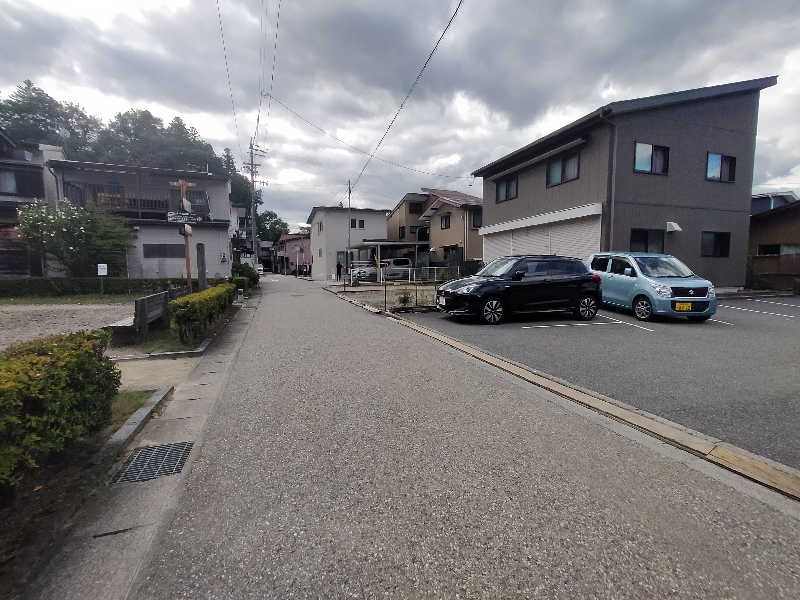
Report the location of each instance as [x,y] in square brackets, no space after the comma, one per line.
[683,306]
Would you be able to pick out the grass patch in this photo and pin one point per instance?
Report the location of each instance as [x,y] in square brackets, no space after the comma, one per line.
[48,496]
[158,340]
[74,299]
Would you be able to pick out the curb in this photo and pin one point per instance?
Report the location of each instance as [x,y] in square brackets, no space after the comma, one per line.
[756,294]
[763,470]
[176,354]
[132,426]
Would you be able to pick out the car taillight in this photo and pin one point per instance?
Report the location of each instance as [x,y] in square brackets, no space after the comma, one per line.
[596,278]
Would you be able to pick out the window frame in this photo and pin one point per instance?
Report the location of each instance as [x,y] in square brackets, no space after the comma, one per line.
[416,203]
[401,232]
[562,159]
[647,231]
[721,160]
[713,255]
[442,221]
[479,215]
[353,223]
[507,181]
[361,223]
[652,152]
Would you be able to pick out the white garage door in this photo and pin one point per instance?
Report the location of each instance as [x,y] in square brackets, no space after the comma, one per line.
[576,237]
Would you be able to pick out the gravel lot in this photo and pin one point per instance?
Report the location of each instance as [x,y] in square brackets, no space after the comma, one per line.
[22,322]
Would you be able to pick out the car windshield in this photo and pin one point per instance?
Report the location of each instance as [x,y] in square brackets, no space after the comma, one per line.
[662,266]
[497,267]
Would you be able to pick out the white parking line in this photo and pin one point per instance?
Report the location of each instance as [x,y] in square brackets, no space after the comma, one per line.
[718,321]
[761,312]
[778,303]
[626,323]
[565,325]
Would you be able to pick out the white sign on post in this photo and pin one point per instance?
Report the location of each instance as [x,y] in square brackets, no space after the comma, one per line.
[102,269]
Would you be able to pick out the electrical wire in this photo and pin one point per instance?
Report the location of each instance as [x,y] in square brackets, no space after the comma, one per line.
[408,94]
[228,76]
[262,51]
[361,150]
[272,76]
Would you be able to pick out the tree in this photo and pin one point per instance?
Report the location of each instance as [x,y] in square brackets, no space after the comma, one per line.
[78,238]
[270,226]
[228,162]
[30,114]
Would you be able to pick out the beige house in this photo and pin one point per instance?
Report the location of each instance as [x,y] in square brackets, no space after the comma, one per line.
[448,220]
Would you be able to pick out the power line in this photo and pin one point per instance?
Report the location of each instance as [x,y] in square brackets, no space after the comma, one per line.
[272,76]
[261,62]
[228,76]
[361,150]
[410,91]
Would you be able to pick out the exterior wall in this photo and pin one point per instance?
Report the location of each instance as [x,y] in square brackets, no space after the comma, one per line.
[780,228]
[297,251]
[402,217]
[456,234]
[724,125]
[216,244]
[333,238]
[533,195]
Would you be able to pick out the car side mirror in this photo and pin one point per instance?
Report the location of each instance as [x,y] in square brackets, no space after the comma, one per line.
[518,275]
[629,272]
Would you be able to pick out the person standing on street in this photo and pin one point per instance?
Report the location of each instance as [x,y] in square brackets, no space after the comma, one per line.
[338,271]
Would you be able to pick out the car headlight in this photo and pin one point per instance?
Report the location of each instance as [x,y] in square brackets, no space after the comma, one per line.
[662,290]
[712,293]
[468,289]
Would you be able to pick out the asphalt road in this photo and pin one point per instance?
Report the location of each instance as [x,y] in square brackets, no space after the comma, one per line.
[352,457]
[735,378]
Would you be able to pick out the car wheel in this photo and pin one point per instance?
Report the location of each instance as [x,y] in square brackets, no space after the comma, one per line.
[587,308]
[699,319]
[492,311]
[642,308]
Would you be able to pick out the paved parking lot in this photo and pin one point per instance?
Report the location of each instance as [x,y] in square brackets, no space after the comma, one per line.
[735,377]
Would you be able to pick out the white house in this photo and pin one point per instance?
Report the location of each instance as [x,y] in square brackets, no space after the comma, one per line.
[329,235]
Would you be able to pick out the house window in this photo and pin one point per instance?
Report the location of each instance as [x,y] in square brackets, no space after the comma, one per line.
[352,223]
[320,226]
[477,219]
[562,169]
[320,252]
[445,221]
[506,189]
[720,167]
[647,240]
[402,233]
[22,183]
[361,223]
[163,250]
[715,243]
[415,208]
[651,159]
[769,249]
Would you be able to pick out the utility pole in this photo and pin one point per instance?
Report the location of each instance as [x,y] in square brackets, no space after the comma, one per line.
[253,203]
[349,216]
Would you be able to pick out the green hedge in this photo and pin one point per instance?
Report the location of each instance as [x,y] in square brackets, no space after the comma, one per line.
[191,315]
[245,270]
[241,283]
[66,286]
[52,390]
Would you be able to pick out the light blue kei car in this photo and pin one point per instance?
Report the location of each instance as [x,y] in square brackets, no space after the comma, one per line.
[653,284]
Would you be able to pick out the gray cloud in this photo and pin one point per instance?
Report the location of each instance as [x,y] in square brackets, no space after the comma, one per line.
[346,65]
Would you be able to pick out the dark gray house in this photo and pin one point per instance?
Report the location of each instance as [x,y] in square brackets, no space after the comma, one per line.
[669,173]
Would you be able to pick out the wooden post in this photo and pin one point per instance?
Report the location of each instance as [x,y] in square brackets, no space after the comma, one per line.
[187,251]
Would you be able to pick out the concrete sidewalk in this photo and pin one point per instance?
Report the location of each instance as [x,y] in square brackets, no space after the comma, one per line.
[349,456]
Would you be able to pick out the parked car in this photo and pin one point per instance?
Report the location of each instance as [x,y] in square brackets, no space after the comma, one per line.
[393,269]
[653,284]
[523,284]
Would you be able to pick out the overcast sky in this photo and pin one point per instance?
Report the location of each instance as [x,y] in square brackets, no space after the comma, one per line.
[506,73]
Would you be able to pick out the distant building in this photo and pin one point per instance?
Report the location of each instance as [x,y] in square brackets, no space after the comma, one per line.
[669,173]
[448,220]
[150,201]
[775,245]
[771,200]
[23,179]
[294,249]
[329,236]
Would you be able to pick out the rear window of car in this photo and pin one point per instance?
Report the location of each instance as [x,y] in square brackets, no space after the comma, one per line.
[600,263]
[566,267]
[401,262]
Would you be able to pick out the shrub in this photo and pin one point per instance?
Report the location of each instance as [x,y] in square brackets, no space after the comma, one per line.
[245,270]
[192,314]
[64,286]
[242,283]
[404,298]
[52,390]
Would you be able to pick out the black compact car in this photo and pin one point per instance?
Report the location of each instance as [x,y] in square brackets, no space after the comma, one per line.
[523,284]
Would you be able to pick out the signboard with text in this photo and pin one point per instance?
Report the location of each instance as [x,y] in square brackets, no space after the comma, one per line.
[102,269]
[182,217]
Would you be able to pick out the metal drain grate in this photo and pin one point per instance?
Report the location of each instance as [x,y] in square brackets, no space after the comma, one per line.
[155,461]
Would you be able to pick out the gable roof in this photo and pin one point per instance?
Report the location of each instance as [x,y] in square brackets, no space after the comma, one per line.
[455,198]
[411,196]
[624,107]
